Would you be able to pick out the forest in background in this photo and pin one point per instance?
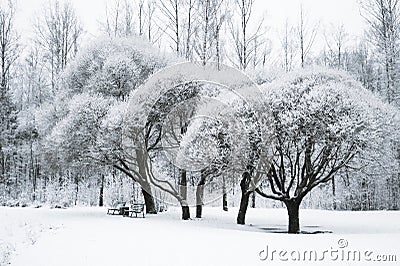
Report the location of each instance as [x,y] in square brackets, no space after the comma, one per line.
[35,75]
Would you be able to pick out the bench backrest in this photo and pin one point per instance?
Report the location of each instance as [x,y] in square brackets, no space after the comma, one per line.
[137,207]
[120,204]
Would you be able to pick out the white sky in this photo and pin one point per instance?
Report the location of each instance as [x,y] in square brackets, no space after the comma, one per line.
[276,12]
[324,11]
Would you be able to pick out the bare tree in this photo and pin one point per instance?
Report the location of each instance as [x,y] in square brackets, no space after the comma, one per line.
[362,64]
[170,9]
[140,14]
[218,21]
[335,40]
[245,7]
[154,30]
[289,46]
[383,17]
[201,45]
[9,45]
[57,32]
[210,19]
[119,19]
[31,94]
[242,37]
[339,37]
[307,36]
[190,29]
[261,46]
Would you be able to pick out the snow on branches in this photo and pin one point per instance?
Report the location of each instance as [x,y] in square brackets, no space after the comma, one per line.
[322,119]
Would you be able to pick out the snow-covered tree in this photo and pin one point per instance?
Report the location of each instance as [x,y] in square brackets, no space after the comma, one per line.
[322,120]
[167,101]
[9,52]
[224,146]
[100,78]
[383,18]
[179,89]
[112,67]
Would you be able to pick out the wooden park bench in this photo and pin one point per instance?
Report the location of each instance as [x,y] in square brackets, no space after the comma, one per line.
[119,209]
[136,209]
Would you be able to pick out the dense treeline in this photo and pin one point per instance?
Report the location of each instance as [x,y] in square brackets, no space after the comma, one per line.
[57,73]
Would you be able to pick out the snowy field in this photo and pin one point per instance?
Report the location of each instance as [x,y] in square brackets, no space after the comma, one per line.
[87,236]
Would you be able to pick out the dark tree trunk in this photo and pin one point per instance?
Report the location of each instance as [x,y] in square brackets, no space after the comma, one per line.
[293,206]
[183,185]
[224,195]
[34,187]
[148,199]
[101,196]
[33,172]
[253,199]
[200,195]
[146,189]
[334,193]
[185,211]
[244,201]
[76,190]
[199,211]
[183,193]
[225,202]
[199,199]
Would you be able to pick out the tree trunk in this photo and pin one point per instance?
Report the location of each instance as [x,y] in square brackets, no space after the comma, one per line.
[34,187]
[293,206]
[200,195]
[205,36]
[33,173]
[199,211]
[185,211]
[244,201]
[148,199]
[146,189]
[189,30]
[225,202]
[36,177]
[334,193]
[101,196]
[199,200]
[183,193]
[224,195]
[253,199]
[76,190]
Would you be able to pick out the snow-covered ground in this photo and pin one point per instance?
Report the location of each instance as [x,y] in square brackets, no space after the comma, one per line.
[87,236]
